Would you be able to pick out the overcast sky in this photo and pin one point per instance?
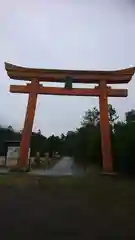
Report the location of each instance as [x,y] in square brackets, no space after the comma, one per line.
[64,34]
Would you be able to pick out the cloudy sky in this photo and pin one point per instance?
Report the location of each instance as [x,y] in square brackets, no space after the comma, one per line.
[64,34]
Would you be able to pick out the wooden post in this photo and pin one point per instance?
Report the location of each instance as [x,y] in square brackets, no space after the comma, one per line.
[105,129]
[28,124]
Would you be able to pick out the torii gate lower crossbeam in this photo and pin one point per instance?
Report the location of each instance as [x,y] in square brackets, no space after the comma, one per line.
[102,91]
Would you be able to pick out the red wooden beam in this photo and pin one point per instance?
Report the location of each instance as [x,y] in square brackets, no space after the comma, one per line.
[78,76]
[95,92]
[115,79]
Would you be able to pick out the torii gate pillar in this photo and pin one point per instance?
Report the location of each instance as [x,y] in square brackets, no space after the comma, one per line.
[107,161]
[28,124]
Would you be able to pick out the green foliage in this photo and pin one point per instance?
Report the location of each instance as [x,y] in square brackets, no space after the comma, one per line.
[130,116]
[86,143]
[92,117]
[112,114]
[123,148]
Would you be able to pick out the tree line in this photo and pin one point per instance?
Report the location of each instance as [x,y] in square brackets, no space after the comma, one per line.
[84,144]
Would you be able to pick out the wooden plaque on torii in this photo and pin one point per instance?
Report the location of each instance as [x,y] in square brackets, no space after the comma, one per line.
[102,78]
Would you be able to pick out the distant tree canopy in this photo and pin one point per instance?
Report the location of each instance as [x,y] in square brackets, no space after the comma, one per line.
[130,116]
[84,144]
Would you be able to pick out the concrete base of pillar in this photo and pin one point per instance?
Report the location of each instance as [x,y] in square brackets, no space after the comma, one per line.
[19,169]
[111,174]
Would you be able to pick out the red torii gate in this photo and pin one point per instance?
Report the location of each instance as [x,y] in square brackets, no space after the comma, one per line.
[102,78]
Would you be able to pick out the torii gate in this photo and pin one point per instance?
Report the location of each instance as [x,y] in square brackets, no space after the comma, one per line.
[102,78]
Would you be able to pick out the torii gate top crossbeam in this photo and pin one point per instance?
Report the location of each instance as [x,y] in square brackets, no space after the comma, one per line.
[78,76]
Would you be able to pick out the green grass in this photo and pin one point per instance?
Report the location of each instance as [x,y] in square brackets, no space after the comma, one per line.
[17,179]
[98,187]
[95,183]
[97,204]
[101,190]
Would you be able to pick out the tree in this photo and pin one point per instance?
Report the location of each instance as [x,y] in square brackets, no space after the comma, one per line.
[91,117]
[10,128]
[62,137]
[39,132]
[130,116]
[112,114]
